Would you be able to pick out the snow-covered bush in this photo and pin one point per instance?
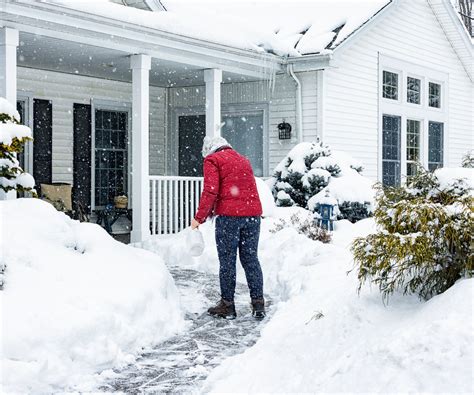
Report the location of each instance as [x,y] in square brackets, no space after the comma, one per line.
[13,136]
[306,226]
[311,172]
[426,228]
[468,160]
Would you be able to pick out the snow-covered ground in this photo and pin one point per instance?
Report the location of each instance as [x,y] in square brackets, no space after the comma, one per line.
[324,337]
[76,303]
[74,300]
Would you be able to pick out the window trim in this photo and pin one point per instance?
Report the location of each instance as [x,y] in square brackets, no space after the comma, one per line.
[112,106]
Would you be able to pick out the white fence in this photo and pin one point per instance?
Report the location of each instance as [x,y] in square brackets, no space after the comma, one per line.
[174,201]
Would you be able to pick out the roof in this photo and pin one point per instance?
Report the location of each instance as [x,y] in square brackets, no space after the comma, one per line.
[148,5]
[284,28]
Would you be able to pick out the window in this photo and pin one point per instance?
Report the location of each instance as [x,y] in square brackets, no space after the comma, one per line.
[413,90]
[111,129]
[434,95]
[413,146]
[390,85]
[245,134]
[435,145]
[391,150]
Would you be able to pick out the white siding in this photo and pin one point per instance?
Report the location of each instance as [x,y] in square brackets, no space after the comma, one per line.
[65,89]
[410,33]
[281,105]
[309,103]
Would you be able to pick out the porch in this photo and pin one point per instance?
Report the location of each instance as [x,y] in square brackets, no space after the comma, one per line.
[102,114]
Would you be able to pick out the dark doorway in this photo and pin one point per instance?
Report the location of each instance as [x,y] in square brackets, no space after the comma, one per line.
[192,129]
[43,141]
[81,191]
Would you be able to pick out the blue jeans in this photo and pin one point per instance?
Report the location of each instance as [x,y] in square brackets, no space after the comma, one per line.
[239,233]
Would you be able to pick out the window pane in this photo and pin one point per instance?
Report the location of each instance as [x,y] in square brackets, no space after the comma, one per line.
[413,90]
[434,95]
[245,134]
[413,146]
[390,85]
[391,150]
[435,145]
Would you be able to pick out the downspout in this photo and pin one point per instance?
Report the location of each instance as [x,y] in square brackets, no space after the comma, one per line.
[299,101]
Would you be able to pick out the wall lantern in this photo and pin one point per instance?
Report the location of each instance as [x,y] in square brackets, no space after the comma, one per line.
[284,130]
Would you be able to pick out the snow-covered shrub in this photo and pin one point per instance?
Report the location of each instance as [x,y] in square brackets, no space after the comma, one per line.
[468,160]
[306,226]
[426,228]
[13,136]
[311,172]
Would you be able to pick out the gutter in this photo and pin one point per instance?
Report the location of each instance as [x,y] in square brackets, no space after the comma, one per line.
[299,101]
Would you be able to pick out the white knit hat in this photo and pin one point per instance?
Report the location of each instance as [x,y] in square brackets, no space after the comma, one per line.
[212,144]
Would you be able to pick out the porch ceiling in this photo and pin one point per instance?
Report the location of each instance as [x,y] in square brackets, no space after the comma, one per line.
[47,53]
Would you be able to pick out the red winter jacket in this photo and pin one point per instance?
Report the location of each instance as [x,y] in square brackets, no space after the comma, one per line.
[229,186]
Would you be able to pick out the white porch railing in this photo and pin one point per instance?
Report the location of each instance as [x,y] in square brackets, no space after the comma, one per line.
[174,201]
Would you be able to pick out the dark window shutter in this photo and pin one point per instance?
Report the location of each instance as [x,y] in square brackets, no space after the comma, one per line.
[43,141]
[81,191]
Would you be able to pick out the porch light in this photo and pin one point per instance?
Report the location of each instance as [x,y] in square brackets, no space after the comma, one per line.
[284,130]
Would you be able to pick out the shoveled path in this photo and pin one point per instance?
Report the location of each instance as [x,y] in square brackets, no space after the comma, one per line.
[181,364]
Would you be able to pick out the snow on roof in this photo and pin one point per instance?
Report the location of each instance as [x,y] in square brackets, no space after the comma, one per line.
[282,27]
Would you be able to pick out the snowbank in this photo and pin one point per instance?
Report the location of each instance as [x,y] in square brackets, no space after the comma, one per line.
[75,301]
[273,26]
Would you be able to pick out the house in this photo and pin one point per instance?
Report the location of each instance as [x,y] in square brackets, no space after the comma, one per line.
[119,96]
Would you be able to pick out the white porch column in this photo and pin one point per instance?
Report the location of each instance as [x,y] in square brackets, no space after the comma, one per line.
[9,39]
[140,65]
[213,79]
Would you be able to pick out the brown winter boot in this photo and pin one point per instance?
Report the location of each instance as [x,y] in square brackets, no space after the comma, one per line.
[258,308]
[223,309]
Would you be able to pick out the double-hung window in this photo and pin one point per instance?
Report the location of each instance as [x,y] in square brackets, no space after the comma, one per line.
[111,143]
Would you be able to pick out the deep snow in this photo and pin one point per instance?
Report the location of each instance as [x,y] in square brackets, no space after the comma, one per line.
[278,27]
[75,301]
[324,337]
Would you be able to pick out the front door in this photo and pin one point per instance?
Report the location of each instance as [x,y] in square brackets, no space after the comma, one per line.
[192,129]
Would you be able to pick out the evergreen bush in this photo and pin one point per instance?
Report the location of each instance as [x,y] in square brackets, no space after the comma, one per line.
[311,171]
[13,136]
[424,244]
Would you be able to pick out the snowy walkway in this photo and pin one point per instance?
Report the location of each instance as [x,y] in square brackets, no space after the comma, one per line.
[181,364]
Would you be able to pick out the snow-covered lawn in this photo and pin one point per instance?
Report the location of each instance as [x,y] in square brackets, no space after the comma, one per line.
[75,301]
[325,338]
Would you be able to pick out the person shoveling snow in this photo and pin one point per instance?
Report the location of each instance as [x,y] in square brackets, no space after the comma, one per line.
[230,192]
